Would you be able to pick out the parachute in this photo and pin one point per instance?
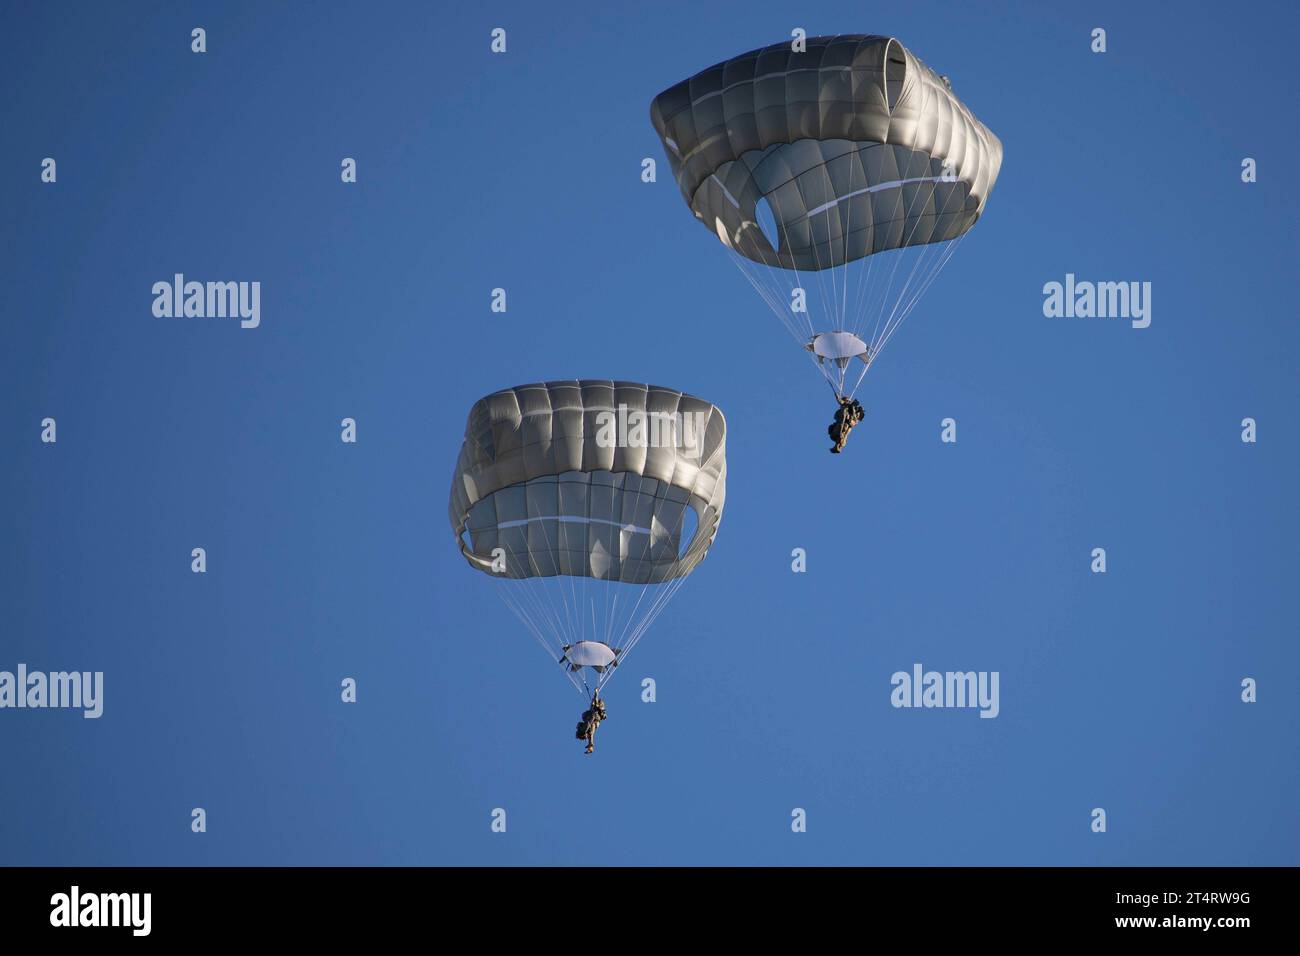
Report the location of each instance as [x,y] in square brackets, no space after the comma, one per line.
[853,162]
[589,502]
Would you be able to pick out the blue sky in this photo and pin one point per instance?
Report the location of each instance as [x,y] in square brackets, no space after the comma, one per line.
[522,171]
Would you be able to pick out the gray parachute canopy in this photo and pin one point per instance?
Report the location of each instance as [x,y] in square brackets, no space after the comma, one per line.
[590,501]
[854,147]
[590,479]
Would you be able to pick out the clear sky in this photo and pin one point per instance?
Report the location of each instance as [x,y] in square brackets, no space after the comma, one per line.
[522,171]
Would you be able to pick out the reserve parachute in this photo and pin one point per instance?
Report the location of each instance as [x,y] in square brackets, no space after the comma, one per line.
[840,179]
[589,502]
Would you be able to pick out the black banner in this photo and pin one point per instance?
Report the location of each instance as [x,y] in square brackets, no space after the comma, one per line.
[334,904]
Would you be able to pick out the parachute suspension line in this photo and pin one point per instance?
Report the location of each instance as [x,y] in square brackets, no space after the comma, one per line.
[836,390]
[874,280]
[608,634]
[798,276]
[874,298]
[527,621]
[583,686]
[902,306]
[531,597]
[880,303]
[764,280]
[551,651]
[605,622]
[943,253]
[864,283]
[543,610]
[571,626]
[613,595]
[924,286]
[886,292]
[782,312]
[822,270]
[567,624]
[848,232]
[572,613]
[861,375]
[665,594]
[626,641]
[843,297]
[928,262]
[765,283]
[765,287]
[646,623]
